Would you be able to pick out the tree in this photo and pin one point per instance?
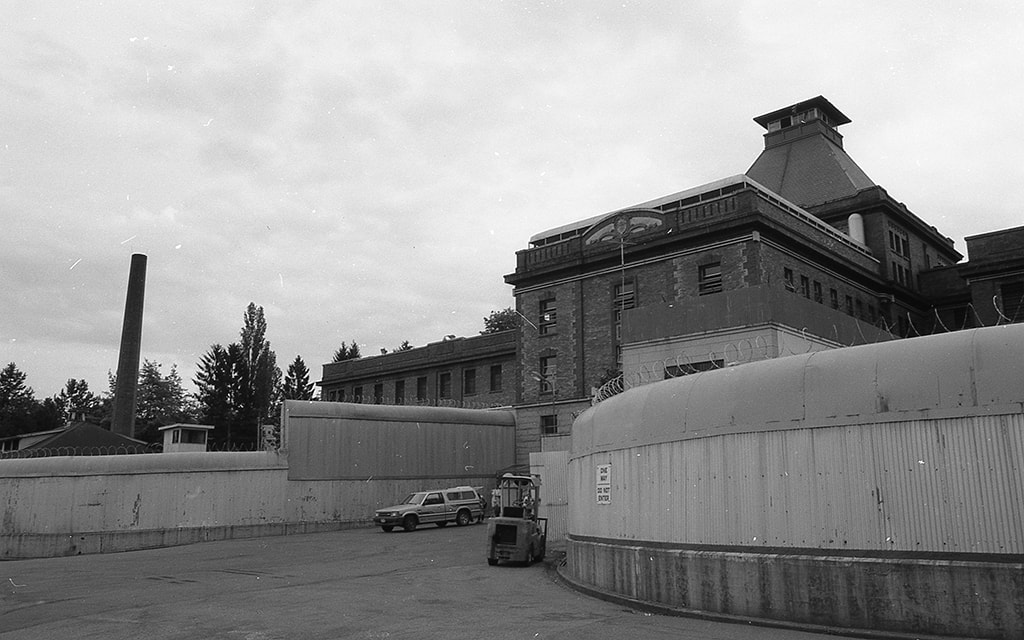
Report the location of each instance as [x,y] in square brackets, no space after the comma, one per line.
[75,398]
[238,386]
[296,382]
[17,402]
[160,401]
[258,376]
[346,352]
[217,390]
[500,320]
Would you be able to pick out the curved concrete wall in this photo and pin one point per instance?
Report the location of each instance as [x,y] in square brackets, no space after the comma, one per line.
[874,487]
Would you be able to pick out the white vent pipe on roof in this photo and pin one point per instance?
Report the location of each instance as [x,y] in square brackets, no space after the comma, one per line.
[855,223]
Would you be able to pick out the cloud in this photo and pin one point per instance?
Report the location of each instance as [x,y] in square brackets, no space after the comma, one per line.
[368,171]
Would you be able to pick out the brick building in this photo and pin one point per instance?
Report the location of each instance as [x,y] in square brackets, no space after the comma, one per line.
[726,263]
[476,372]
[802,251]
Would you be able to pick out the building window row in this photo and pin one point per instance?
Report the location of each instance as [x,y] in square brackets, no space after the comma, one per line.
[900,273]
[898,242]
[444,388]
[813,289]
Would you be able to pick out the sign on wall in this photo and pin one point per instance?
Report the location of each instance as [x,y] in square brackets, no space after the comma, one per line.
[604,484]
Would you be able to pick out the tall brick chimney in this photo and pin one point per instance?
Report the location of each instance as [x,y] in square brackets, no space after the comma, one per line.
[131,345]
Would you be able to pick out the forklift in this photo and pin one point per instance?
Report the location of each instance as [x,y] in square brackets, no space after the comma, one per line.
[515,533]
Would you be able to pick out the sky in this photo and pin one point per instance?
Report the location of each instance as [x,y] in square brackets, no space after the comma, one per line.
[366,171]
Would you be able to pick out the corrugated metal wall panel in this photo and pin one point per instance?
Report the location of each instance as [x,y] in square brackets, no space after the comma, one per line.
[945,485]
[553,469]
[336,448]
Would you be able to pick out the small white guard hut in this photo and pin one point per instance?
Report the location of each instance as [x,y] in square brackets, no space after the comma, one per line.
[185,437]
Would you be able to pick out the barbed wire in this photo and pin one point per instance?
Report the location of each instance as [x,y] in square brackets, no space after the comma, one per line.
[687,363]
[430,402]
[107,450]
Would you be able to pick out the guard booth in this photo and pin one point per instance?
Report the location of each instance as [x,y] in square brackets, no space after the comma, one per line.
[185,437]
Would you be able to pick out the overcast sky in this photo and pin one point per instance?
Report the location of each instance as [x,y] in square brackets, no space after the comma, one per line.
[367,170]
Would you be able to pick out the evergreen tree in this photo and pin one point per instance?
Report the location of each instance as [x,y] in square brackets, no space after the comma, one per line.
[346,352]
[160,401]
[296,382]
[217,391]
[17,402]
[76,399]
[239,386]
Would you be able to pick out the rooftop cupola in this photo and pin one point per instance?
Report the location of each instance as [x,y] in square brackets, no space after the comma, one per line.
[803,158]
[816,116]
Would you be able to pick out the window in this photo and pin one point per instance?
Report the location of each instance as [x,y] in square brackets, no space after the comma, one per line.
[378,393]
[1011,295]
[624,297]
[805,286]
[547,374]
[860,308]
[357,394]
[549,425]
[817,293]
[421,389]
[444,385]
[548,317]
[787,278]
[676,370]
[900,273]
[399,391]
[849,305]
[709,278]
[495,377]
[469,382]
[833,298]
[898,242]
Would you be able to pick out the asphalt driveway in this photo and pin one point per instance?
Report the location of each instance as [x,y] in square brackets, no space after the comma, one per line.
[361,583]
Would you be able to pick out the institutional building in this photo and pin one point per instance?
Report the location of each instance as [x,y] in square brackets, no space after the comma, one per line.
[803,251]
[477,372]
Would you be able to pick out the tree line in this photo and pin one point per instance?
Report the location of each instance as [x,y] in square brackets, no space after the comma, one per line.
[240,390]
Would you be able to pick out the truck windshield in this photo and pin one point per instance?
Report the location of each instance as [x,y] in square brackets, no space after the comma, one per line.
[414,498]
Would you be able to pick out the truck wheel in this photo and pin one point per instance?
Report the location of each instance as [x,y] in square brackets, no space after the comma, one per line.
[409,522]
[387,527]
[463,518]
[492,561]
[543,550]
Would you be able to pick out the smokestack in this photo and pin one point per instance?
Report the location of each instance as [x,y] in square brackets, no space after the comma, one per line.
[131,345]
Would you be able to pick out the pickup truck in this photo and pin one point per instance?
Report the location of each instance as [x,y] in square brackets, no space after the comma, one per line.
[461,505]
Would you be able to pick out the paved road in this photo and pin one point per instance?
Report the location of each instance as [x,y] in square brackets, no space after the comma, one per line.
[361,584]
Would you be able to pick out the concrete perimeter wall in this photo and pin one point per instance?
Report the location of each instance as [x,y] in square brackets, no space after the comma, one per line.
[874,488]
[94,504]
